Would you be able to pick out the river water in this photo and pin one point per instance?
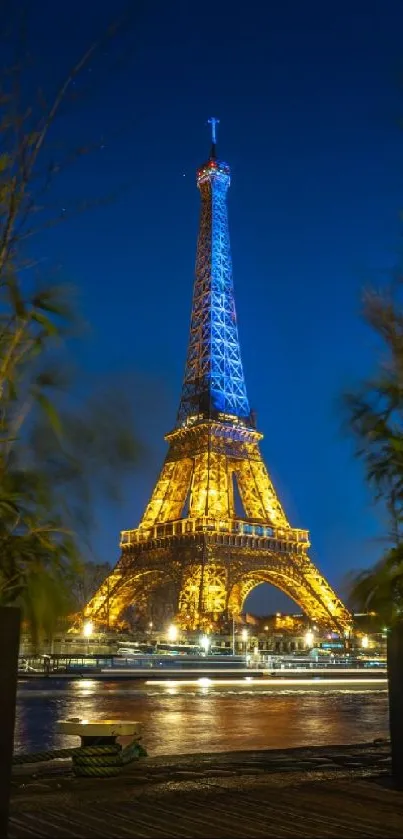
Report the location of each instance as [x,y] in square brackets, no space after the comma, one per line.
[179,719]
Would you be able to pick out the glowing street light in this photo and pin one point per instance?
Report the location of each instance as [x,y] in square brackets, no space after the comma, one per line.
[244,635]
[205,643]
[309,638]
[88,629]
[172,632]
[365,642]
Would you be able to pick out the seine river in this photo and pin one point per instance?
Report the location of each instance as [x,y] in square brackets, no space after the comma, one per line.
[180,719]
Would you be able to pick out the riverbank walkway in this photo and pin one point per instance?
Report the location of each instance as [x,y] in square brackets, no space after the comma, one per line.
[328,793]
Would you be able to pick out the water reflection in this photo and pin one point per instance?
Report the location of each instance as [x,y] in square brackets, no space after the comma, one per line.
[204,716]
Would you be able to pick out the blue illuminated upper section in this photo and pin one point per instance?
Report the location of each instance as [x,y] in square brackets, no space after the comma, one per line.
[214,384]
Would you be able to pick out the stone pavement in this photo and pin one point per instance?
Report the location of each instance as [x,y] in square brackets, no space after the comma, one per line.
[332,792]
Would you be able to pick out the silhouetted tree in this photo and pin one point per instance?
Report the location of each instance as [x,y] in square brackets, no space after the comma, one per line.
[88,582]
[375,417]
[57,453]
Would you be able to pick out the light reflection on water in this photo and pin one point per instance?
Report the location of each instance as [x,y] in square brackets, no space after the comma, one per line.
[180,719]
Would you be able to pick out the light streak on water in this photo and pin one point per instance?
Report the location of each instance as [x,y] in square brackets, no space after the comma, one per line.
[198,716]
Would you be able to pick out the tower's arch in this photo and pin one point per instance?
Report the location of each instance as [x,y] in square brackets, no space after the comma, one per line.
[243,588]
[292,584]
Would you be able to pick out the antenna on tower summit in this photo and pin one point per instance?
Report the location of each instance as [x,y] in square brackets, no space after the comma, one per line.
[213,121]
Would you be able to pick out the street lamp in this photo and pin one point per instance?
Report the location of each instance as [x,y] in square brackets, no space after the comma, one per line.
[365,642]
[245,640]
[172,632]
[205,643]
[309,637]
[88,629]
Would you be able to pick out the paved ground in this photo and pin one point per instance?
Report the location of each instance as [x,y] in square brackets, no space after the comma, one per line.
[336,792]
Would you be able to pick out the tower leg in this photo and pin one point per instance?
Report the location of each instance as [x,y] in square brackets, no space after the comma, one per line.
[203,599]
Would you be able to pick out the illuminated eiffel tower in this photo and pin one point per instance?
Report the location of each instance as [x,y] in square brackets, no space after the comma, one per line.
[192,558]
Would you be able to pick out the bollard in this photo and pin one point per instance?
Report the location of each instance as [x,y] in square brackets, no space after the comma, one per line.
[100,755]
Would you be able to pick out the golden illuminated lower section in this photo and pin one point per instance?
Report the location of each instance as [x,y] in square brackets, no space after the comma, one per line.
[196,555]
[208,567]
[257,492]
[167,500]
[203,464]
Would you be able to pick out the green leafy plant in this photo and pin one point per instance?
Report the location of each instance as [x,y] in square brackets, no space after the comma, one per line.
[375,417]
[58,453]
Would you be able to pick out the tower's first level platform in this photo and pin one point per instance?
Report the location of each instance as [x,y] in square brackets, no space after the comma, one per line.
[222,531]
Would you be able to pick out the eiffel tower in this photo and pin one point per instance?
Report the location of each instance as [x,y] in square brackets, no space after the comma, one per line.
[193,558]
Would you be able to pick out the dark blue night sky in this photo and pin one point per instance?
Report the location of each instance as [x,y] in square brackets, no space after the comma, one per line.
[308,95]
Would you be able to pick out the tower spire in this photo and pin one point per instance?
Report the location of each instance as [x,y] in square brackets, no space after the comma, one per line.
[214,385]
[213,121]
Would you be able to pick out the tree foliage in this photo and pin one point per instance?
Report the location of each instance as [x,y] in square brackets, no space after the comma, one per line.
[375,417]
[58,453]
[87,583]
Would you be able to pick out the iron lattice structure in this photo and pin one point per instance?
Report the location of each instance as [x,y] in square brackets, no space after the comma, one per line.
[214,381]
[193,558]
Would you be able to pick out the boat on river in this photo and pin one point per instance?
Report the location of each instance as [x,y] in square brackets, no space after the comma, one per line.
[159,666]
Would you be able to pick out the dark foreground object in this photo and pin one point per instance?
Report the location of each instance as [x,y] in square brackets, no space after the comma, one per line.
[395,679]
[333,792]
[9,643]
